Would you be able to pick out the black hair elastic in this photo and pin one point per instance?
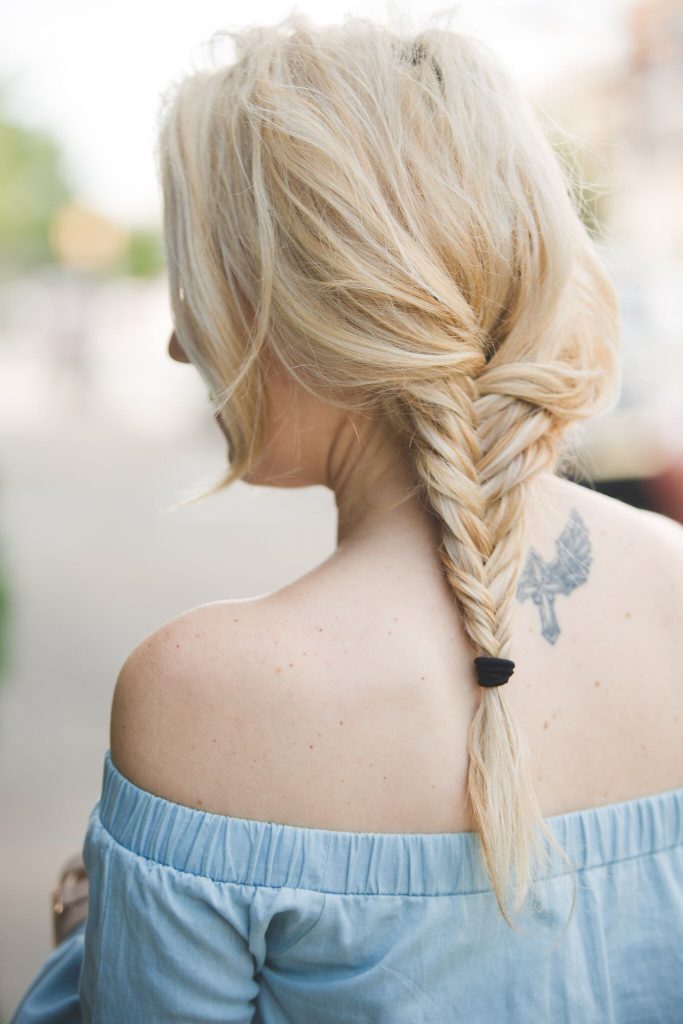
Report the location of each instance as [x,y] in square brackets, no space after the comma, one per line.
[493,671]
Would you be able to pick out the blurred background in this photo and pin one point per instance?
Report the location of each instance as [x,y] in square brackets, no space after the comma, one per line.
[101,432]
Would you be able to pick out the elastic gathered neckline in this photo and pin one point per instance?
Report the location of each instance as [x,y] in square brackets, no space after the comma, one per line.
[249,852]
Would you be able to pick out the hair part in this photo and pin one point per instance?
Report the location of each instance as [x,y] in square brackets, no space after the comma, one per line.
[383,210]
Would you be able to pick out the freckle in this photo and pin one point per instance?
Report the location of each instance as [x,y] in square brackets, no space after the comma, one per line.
[303,652]
[177,645]
[235,620]
[433,785]
[395,618]
[389,632]
[555,716]
[196,635]
[279,668]
[642,746]
[291,664]
[311,747]
[545,725]
[198,800]
[341,723]
[421,677]
[597,682]
[341,780]
[627,614]
[383,777]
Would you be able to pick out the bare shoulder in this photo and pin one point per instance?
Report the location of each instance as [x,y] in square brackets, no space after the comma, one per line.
[285,708]
[617,679]
[639,536]
[628,612]
[189,696]
[664,539]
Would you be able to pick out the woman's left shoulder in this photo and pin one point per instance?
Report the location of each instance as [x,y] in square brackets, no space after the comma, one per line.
[188,693]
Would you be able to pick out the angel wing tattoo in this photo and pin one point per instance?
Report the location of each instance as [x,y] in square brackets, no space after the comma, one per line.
[542,581]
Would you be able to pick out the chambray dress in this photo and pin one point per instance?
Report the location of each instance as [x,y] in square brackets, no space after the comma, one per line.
[198,917]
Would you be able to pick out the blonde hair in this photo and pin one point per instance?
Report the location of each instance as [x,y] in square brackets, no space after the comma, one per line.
[384,211]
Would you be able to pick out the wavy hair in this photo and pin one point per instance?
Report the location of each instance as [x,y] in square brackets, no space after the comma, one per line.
[383,210]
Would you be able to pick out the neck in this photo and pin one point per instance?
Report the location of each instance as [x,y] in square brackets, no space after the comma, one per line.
[374,485]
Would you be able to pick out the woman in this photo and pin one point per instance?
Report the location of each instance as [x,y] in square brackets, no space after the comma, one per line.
[336,802]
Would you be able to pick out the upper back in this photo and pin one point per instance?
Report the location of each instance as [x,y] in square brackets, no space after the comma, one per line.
[354,710]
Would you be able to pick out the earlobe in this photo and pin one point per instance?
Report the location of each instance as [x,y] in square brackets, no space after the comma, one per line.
[175,350]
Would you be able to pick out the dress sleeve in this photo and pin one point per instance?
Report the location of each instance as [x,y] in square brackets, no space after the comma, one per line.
[162,944]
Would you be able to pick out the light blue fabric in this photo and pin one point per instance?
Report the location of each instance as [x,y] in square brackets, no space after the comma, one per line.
[53,994]
[198,917]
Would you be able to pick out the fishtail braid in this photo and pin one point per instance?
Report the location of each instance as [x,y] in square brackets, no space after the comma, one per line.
[480,499]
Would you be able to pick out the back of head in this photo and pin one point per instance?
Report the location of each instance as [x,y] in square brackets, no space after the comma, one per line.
[383,211]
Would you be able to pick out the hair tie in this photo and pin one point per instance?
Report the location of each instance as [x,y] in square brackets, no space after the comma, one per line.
[493,671]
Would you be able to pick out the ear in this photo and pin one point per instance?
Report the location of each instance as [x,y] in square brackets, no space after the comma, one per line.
[175,350]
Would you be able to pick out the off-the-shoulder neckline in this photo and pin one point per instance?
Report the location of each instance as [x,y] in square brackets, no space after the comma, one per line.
[246,851]
[565,816]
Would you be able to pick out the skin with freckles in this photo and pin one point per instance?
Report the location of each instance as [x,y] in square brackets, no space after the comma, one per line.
[343,700]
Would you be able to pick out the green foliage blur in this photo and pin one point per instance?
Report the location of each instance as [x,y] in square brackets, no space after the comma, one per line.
[591,199]
[144,255]
[584,168]
[33,187]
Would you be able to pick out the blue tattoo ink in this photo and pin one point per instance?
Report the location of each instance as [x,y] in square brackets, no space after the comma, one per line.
[543,581]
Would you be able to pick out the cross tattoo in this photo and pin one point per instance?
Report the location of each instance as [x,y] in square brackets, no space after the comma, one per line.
[543,581]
